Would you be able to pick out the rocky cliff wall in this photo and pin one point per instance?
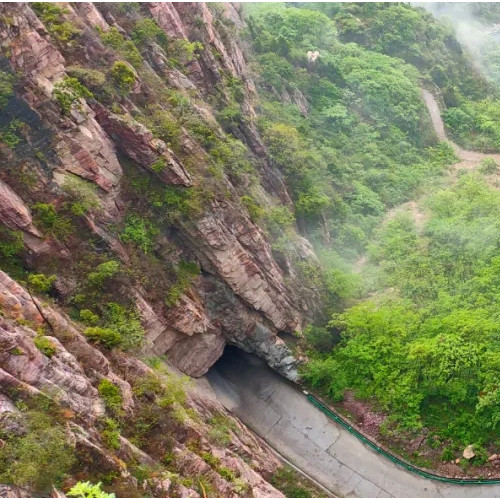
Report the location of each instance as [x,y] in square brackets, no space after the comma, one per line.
[203,443]
[167,131]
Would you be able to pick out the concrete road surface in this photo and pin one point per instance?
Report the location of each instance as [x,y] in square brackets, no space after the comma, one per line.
[279,412]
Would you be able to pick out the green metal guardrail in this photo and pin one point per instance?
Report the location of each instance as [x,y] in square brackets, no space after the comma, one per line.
[428,475]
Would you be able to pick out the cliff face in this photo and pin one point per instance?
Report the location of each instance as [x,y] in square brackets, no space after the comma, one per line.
[161,147]
[230,460]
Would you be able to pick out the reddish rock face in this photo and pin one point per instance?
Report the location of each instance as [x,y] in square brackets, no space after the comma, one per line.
[125,172]
[242,295]
[139,144]
[30,52]
[13,212]
[70,377]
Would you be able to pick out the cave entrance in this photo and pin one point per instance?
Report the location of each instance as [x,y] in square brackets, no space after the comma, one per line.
[235,363]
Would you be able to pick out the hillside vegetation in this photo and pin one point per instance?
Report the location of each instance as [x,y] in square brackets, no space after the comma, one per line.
[415,332]
[176,178]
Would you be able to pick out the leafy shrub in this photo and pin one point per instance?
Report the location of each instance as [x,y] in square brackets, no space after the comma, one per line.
[111,395]
[83,194]
[125,322]
[88,317]
[128,7]
[126,48]
[481,455]
[235,86]
[45,345]
[231,155]
[40,283]
[52,17]
[186,271]
[321,338]
[6,88]
[88,490]
[104,271]
[220,429]
[38,459]
[51,222]
[68,92]
[183,51]
[180,203]
[289,482]
[230,116]
[226,473]
[210,459]
[124,76]
[203,133]
[159,165]
[488,166]
[11,244]
[146,31]
[105,336]
[447,454]
[90,78]
[215,464]
[279,219]
[111,433]
[165,127]
[274,71]
[140,232]
[9,134]
[255,211]
[169,389]
[180,103]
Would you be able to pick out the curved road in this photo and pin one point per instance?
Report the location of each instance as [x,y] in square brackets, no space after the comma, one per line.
[277,411]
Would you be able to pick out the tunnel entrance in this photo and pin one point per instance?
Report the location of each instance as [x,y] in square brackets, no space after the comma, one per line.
[230,359]
[241,380]
[236,363]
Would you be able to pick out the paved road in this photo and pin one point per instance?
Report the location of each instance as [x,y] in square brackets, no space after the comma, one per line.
[279,412]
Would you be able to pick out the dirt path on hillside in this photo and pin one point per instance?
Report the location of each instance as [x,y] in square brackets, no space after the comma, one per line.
[468,160]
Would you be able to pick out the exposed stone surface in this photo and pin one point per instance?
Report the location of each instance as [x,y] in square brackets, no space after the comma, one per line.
[8,491]
[13,212]
[196,355]
[138,142]
[241,255]
[243,296]
[30,53]
[72,383]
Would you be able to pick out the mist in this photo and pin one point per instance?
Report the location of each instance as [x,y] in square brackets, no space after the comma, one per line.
[473,33]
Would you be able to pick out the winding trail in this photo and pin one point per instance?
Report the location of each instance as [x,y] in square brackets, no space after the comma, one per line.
[468,159]
[279,412]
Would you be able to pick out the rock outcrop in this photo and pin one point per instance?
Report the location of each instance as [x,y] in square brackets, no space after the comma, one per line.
[70,377]
[130,190]
[243,295]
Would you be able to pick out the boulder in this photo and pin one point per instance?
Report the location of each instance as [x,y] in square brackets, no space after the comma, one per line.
[469,452]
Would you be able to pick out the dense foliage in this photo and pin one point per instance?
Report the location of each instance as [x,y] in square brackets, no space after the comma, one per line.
[427,348]
[348,130]
[423,346]
[40,457]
